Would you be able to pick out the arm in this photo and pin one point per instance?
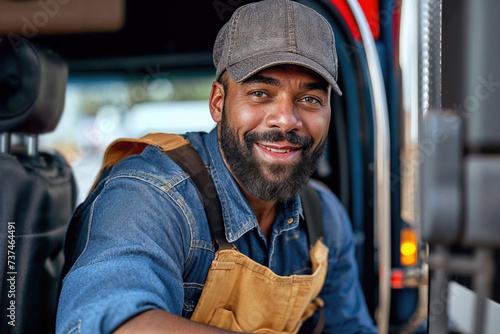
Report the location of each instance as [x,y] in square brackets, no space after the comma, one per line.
[136,241]
[158,321]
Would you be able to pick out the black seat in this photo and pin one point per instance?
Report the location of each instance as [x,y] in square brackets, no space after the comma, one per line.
[37,189]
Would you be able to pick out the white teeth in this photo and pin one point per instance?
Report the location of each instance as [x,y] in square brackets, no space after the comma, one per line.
[276,150]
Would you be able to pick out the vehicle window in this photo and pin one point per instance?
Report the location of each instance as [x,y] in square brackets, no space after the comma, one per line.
[100,109]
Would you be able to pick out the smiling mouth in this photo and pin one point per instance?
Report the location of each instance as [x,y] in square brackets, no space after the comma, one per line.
[279,150]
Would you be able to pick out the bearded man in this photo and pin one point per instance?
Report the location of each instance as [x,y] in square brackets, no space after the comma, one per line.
[146,252]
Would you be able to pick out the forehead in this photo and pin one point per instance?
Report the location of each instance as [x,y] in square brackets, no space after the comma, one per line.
[292,71]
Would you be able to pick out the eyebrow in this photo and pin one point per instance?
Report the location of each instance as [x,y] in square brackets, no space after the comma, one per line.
[261,79]
[322,86]
[315,86]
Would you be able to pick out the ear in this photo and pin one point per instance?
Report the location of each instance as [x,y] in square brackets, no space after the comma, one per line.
[216,102]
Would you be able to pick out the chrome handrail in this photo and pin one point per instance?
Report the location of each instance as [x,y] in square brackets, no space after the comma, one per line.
[382,222]
[408,61]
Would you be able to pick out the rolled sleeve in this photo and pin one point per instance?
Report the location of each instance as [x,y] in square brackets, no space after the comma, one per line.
[125,268]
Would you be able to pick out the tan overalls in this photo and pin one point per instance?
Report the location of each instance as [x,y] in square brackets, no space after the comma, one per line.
[240,294]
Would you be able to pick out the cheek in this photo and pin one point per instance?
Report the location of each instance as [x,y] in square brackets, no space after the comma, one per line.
[317,126]
[248,118]
[244,119]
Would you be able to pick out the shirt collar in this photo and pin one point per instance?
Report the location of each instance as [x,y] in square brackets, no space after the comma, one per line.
[237,213]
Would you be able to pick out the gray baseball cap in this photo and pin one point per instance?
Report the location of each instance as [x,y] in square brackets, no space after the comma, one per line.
[276,32]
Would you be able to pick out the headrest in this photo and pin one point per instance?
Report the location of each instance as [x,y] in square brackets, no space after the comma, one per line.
[32,88]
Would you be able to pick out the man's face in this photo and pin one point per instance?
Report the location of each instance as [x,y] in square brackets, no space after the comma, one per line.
[273,130]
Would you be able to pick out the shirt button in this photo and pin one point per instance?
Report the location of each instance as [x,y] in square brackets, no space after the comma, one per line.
[290,220]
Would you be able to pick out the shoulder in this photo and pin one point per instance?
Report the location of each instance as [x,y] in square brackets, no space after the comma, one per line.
[157,182]
[155,171]
[144,192]
[155,167]
[329,201]
[336,222]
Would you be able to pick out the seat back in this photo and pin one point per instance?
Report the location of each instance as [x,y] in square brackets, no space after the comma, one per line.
[37,189]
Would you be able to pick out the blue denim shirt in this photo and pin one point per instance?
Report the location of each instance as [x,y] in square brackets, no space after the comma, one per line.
[141,241]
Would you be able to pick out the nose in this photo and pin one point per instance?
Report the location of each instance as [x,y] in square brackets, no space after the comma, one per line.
[284,115]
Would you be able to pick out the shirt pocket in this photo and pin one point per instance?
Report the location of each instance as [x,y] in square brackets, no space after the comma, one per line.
[192,293]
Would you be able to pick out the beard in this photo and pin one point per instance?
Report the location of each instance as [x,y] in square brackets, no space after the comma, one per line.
[267,181]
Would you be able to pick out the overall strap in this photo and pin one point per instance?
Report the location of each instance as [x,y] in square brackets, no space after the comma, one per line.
[181,152]
[126,147]
[311,204]
[189,161]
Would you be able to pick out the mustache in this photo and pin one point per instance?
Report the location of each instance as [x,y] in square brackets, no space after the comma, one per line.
[276,136]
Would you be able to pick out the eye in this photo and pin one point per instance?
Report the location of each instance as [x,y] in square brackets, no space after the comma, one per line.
[311,100]
[259,93]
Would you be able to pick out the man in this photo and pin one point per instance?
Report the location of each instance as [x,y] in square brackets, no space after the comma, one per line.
[145,256]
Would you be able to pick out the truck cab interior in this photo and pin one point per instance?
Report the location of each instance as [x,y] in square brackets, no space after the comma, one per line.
[412,154]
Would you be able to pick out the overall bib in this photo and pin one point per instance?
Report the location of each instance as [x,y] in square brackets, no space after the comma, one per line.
[242,295]
[239,294]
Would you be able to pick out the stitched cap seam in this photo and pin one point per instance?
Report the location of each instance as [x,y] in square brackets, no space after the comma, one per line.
[291,31]
[232,32]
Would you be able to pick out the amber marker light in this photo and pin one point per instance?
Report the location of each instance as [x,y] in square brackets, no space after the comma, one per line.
[408,247]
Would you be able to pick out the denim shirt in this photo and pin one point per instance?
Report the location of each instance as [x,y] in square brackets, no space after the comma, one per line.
[141,241]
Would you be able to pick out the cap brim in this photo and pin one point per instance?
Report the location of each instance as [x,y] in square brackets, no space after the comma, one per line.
[248,67]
